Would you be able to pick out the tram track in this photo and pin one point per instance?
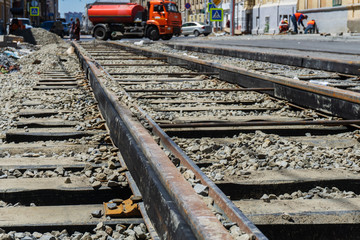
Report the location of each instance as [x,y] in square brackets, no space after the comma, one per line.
[201,115]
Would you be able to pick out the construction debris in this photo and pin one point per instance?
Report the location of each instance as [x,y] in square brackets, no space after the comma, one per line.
[126,208]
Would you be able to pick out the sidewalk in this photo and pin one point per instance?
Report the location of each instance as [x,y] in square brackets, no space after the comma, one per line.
[339,54]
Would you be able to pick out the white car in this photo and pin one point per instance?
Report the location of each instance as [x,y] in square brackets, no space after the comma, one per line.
[195,28]
[24,23]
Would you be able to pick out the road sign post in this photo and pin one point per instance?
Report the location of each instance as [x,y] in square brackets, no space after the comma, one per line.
[34,11]
[210,6]
[217,2]
[216,14]
[187,7]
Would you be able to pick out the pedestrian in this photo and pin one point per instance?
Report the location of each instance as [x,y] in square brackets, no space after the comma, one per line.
[228,24]
[14,25]
[284,25]
[72,28]
[297,18]
[311,26]
[77,29]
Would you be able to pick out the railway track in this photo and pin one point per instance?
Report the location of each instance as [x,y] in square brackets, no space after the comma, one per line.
[292,171]
[177,148]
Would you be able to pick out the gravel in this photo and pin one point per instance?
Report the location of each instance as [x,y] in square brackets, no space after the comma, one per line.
[79,106]
[259,151]
[101,231]
[315,193]
[272,68]
[44,37]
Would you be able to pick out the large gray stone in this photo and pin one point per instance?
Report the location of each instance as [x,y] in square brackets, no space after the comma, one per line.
[47,237]
[201,189]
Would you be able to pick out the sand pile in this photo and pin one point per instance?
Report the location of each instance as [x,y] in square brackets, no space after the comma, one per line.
[44,37]
[38,36]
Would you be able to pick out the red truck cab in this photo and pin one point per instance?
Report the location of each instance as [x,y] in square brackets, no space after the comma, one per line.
[164,20]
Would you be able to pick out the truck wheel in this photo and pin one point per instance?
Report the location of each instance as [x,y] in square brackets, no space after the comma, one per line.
[166,37]
[196,33]
[153,34]
[101,34]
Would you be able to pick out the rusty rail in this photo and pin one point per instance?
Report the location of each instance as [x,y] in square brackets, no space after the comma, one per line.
[176,211]
[223,204]
[261,123]
[201,90]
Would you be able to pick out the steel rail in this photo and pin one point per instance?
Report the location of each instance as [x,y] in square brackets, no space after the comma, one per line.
[138,59]
[347,67]
[201,90]
[111,54]
[177,212]
[261,123]
[265,46]
[164,73]
[157,80]
[222,202]
[140,65]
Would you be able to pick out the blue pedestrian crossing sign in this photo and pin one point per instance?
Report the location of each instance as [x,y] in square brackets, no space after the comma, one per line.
[34,11]
[216,14]
[210,6]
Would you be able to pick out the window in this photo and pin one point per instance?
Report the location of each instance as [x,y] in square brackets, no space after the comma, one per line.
[26,21]
[283,17]
[267,24]
[337,3]
[170,7]
[158,8]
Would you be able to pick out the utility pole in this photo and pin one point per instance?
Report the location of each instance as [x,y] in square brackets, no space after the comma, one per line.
[232,22]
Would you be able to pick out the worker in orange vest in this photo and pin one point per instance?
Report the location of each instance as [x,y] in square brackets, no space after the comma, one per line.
[296,19]
[284,25]
[311,25]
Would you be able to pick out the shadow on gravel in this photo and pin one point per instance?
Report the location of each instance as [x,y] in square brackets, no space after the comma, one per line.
[26,34]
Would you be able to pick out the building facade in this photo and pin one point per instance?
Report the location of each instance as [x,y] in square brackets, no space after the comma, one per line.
[267,14]
[333,16]
[264,16]
[5,6]
[48,10]
[73,15]
[199,13]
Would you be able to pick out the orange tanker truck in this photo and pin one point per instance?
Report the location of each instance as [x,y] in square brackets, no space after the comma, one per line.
[161,19]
